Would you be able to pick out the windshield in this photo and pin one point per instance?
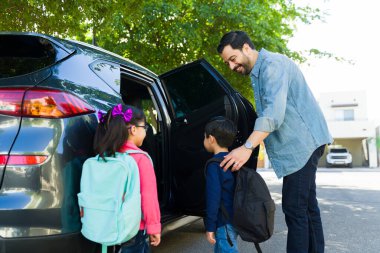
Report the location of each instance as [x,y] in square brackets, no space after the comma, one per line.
[338,150]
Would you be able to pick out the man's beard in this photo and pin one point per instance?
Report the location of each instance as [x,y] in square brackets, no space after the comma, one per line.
[245,71]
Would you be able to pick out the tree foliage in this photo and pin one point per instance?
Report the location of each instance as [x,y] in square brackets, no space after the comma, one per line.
[159,34]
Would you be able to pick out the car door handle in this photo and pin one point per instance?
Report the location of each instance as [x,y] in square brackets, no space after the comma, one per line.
[182,122]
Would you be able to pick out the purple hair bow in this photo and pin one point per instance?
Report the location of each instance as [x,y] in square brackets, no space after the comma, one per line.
[101,116]
[118,110]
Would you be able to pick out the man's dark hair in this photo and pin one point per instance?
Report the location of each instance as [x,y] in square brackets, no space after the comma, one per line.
[236,39]
[223,130]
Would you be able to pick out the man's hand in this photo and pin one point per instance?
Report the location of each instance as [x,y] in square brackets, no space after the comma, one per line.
[211,237]
[155,239]
[236,158]
[239,156]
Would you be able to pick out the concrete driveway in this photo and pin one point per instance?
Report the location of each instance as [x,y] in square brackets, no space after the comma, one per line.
[350,205]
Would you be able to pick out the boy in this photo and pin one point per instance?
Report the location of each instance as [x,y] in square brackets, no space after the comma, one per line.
[219,135]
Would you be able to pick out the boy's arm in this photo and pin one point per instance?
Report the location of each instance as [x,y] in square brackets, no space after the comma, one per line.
[210,236]
[213,196]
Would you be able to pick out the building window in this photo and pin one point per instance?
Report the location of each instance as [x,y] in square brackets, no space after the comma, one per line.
[344,115]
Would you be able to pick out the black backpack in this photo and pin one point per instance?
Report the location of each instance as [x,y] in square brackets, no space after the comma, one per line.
[253,206]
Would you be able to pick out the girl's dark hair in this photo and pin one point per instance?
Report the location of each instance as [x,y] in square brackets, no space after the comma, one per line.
[236,39]
[112,131]
[223,130]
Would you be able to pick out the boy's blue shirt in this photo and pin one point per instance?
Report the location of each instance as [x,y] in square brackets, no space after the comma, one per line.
[220,186]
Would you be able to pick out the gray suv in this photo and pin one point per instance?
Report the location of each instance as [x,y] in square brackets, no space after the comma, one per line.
[50,91]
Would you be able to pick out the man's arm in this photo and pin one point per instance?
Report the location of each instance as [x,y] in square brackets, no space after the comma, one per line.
[239,156]
[274,96]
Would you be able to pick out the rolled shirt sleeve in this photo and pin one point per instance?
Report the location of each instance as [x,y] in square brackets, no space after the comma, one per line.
[273,96]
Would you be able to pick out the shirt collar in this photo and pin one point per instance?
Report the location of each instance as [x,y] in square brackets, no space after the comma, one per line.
[221,154]
[256,68]
[127,146]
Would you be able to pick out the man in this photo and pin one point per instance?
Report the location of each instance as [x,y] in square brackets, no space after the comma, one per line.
[294,131]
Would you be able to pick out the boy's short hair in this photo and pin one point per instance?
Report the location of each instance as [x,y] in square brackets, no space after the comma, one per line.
[223,130]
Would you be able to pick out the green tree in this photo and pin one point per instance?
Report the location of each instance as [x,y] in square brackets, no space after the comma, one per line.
[159,34]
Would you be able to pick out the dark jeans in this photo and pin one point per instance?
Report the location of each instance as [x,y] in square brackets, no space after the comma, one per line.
[300,206]
[137,244]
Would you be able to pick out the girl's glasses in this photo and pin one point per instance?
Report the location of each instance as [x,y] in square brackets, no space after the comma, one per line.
[144,126]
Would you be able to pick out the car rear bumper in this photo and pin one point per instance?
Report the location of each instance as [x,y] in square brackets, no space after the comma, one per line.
[339,162]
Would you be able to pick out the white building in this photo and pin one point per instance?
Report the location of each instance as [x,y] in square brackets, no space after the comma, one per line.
[346,116]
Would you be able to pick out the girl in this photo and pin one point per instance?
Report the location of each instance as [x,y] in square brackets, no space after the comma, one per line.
[124,128]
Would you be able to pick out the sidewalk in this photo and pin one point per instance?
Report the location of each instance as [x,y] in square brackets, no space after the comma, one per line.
[350,207]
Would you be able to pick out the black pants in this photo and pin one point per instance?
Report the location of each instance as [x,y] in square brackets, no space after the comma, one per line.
[300,206]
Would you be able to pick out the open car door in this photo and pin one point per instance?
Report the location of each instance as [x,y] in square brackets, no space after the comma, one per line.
[197,93]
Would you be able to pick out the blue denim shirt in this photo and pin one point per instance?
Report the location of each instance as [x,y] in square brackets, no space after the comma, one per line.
[286,109]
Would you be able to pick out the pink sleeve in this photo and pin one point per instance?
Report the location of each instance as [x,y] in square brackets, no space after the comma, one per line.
[149,200]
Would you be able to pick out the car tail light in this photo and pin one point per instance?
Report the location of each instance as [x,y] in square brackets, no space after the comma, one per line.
[41,102]
[10,101]
[22,159]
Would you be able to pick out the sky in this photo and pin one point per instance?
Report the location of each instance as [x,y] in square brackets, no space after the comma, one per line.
[351,29]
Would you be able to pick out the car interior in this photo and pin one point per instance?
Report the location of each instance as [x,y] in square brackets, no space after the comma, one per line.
[136,93]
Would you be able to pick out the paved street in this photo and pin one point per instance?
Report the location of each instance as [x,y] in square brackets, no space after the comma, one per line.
[350,205]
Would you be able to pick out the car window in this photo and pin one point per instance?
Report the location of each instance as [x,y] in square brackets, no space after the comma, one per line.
[21,55]
[192,89]
[108,72]
[338,150]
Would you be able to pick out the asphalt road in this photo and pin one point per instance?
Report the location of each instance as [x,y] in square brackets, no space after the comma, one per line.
[349,200]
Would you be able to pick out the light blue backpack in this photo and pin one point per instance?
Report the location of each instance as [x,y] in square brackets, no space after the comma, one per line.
[109,199]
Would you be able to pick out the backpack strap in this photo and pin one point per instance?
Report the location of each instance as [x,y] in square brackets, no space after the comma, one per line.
[227,218]
[228,237]
[224,211]
[223,208]
[134,151]
[225,214]
[104,248]
[257,246]
[212,160]
[217,160]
